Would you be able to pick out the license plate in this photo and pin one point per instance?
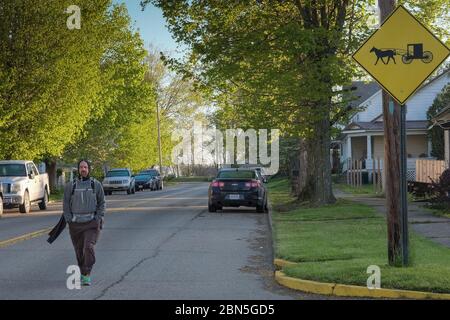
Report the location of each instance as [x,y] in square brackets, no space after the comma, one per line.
[234,196]
[7,200]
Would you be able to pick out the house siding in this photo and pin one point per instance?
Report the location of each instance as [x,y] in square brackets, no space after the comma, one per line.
[359,148]
[416,145]
[378,147]
[420,102]
[417,105]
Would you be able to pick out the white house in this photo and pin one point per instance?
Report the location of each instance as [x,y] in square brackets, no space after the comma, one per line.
[442,119]
[363,138]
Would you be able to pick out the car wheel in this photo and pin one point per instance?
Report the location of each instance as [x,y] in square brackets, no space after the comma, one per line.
[44,203]
[129,191]
[212,208]
[25,207]
[133,191]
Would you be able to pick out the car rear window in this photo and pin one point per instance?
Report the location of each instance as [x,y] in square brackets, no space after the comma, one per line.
[151,173]
[146,176]
[236,175]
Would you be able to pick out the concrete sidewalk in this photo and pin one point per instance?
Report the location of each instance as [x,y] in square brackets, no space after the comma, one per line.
[420,219]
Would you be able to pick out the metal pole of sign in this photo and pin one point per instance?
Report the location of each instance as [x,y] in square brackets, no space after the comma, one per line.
[403,186]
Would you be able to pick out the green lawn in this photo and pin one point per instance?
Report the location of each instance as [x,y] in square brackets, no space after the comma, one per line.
[365,189]
[337,243]
[56,195]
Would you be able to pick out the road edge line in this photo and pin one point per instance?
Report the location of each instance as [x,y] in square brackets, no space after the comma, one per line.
[28,236]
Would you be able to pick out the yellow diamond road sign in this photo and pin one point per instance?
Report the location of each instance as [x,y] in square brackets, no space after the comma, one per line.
[401,54]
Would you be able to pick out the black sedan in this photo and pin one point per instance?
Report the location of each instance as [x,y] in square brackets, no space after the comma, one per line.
[1,198]
[143,181]
[237,187]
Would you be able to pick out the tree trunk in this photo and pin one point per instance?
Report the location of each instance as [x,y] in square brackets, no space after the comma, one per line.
[50,165]
[316,172]
[303,167]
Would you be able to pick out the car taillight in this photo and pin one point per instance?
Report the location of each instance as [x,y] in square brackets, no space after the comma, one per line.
[218,184]
[253,184]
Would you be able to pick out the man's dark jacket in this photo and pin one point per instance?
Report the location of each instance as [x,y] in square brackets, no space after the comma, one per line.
[56,231]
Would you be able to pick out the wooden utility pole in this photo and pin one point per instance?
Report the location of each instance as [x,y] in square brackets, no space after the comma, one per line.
[392,115]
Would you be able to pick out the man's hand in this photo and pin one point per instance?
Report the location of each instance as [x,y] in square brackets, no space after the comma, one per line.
[100,220]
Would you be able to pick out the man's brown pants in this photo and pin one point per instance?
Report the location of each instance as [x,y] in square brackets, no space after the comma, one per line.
[84,237]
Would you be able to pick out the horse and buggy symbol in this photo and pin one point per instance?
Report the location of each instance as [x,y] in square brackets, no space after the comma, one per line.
[414,51]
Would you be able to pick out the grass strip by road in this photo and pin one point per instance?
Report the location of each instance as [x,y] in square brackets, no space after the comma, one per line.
[56,195]
[365,189]
[336,244]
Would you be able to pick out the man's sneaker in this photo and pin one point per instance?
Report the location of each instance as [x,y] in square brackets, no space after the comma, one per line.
[85,280]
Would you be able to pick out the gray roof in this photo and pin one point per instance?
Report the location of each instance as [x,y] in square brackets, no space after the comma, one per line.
[362,91]
[442,112]
[379,126]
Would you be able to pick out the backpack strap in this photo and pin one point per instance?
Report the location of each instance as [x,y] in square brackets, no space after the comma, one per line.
[74,185]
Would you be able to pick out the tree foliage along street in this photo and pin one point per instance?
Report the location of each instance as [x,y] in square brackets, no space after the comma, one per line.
[127,102]
[273,65]
[436,134]
[72,93]
[50,75]
[279,65]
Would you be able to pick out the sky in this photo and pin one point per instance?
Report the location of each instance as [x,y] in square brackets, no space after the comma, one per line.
[151,25]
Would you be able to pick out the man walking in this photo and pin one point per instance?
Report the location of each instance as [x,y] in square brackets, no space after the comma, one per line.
[83,209]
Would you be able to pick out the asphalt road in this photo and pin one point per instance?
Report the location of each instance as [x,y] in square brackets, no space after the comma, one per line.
[154,245]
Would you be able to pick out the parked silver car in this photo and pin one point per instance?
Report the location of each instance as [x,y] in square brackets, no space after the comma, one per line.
[121,179]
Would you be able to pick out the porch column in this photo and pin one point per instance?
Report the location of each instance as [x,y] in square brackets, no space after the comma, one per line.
[349,147]
[447,146]
[369,147]
[369,158]
[429,146]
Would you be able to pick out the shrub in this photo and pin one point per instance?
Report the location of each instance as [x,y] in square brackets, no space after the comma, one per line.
[440,192]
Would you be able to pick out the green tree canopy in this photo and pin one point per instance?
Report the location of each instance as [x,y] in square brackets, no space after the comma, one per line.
[50,75]
[436,134]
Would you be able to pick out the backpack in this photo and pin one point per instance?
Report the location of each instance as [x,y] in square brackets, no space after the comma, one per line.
[74,185]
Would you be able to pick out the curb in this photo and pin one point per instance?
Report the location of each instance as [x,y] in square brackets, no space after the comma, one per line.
[342,290]
[269,215]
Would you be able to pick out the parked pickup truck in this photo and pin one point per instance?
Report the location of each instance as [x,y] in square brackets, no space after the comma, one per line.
[23,184]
